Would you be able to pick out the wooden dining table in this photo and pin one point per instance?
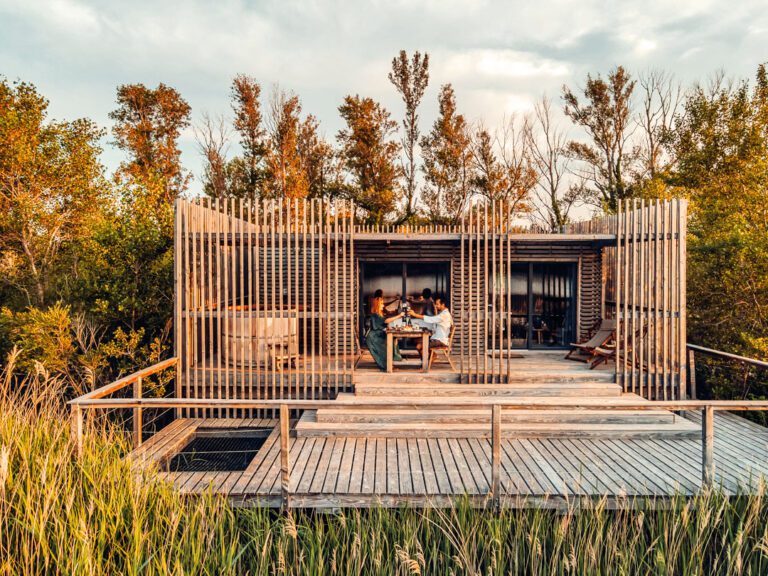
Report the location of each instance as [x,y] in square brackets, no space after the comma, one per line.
[403,333]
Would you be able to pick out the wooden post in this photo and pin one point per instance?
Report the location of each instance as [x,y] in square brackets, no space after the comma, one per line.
[707,447]
[692,373]
[496,454]
[390,346]
[425,352]
[285,472]
[77,429]
[138,414]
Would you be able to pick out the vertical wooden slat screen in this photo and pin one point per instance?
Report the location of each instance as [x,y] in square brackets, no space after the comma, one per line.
[650,297]
[278,278]
[260,289]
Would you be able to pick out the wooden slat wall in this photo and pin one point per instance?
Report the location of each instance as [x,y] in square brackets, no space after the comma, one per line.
[239,266]
[650,298]
[644,285]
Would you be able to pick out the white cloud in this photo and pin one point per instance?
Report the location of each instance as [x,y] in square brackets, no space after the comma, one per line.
[500,54]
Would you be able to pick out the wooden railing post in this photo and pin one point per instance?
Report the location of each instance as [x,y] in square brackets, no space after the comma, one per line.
[692,372]
[138,414]
[707,447]
[77,429]
[285,472]
[496,454]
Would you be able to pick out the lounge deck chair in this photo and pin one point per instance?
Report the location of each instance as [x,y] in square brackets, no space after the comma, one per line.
[584,351]
[607,352]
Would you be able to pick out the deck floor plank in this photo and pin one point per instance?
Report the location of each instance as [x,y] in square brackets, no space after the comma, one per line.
[519,477]
[429,473]
[334,466]
[313,462]
[548,472]
[345,468]
[465,470]
[653,481]
[358,462]
[393,480]
[441,467]
[365,469]
[379,455]
[326,455]
[417,470]
[404,471]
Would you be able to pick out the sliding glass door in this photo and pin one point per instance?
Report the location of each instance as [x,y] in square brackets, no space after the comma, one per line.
[541,298]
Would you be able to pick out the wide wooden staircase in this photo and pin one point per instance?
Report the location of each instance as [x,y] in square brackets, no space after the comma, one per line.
[540,378]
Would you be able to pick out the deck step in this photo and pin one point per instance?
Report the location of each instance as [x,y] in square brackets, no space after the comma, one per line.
[538,377]
[405,377]
[418,416]
[563,389]
[308,426]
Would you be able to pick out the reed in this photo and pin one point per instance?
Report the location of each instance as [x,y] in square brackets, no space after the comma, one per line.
[61,515]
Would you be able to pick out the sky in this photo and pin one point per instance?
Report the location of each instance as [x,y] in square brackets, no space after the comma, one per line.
[500,56]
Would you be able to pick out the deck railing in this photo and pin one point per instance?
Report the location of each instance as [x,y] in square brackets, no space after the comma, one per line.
[693,349]
[97,400]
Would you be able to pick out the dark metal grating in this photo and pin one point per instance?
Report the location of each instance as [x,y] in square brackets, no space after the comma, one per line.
[219,450]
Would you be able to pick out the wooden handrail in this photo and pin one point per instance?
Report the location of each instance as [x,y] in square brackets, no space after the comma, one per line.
[597,404]
[136,379]
[727,355]
[707,407]
[126,380]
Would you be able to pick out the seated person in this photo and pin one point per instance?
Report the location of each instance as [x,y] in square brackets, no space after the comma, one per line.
[440,324]
[376,339]
[425,301]
[379,293]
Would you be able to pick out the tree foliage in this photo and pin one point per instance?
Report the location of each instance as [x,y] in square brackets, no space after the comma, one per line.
[605,114]
[410,78]
[547,147]
[369,154]
[720,143]
[148,123]
[448,168]
[51,187]
[502,169]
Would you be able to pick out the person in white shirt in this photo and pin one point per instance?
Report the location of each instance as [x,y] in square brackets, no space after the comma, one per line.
[440,323]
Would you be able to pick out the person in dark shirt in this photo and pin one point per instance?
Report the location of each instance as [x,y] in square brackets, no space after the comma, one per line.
[426,302]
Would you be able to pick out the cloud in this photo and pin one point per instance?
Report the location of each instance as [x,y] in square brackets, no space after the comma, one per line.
[500,55]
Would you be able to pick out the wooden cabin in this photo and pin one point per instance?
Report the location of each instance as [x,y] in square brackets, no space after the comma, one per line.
[271,297]
[277,403]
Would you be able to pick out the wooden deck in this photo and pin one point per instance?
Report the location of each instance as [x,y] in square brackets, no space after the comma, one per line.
[360,471]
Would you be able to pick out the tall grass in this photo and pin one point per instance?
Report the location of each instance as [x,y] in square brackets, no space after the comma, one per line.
[60,515]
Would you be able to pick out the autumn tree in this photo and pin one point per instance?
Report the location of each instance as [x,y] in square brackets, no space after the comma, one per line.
[148,124]
[410,77]
[502,169]
[247,171]
[606,114]
[447,157]
[286,179]
[212,136]
[369,155]
[547,145]
[51,190]
[317,160]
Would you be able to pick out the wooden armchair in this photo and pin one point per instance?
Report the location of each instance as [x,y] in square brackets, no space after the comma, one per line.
[445,350]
